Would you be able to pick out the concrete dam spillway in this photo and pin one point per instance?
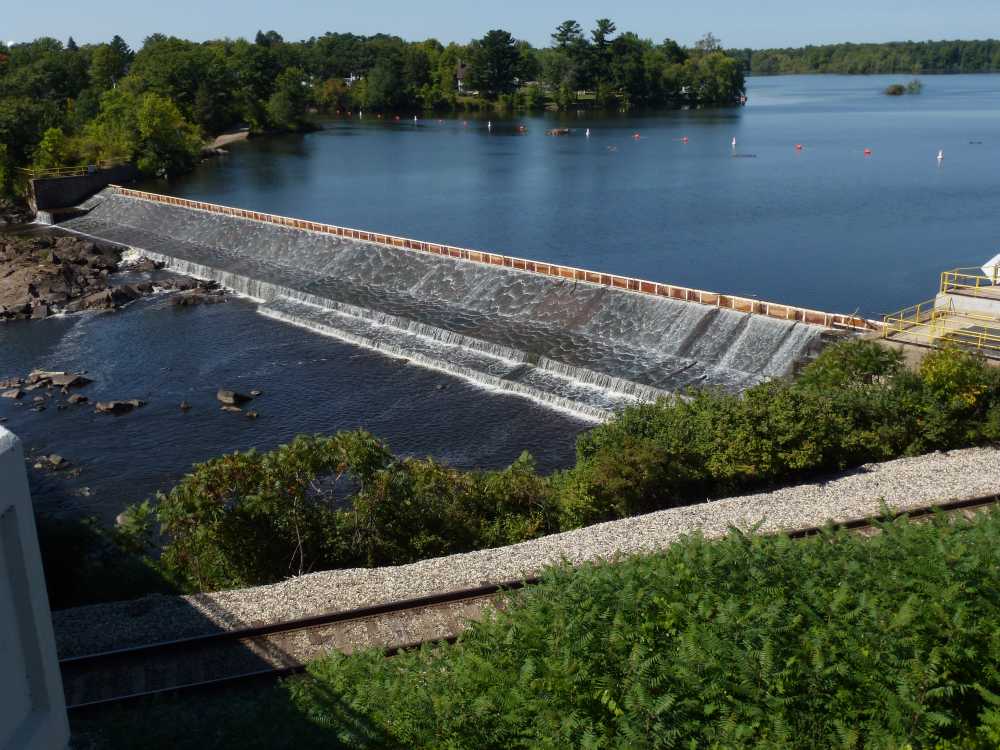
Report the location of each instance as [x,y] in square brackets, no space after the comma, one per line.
[584,343]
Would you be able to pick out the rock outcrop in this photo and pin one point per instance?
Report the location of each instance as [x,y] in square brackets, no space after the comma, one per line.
[40,276]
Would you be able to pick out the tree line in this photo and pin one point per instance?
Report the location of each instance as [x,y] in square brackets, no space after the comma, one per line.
[893,57]
[64,103]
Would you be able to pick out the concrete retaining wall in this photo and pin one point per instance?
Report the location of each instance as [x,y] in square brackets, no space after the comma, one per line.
[32,709]
[985,305]
[48,193]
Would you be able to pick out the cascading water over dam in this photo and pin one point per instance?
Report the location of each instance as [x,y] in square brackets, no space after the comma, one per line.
[582,346]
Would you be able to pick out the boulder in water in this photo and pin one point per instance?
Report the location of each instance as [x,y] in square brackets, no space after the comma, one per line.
[69,380]
[118,407]
[232,398]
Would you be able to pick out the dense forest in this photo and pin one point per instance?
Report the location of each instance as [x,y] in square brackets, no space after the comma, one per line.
[893,57]
[63,104]
[68,103]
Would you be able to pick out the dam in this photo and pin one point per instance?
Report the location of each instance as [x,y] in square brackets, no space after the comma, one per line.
[592,343]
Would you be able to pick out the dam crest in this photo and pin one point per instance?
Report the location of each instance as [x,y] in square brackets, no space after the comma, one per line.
[579,340]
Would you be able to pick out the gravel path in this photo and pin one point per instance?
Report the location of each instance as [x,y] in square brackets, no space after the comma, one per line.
[904,484]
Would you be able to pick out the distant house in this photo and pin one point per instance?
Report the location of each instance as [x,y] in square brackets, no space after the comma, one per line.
[461,71]
[352,79]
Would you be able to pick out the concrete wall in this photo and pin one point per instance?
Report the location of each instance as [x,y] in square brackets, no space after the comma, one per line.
[32,710]
[49,193]
[987,305]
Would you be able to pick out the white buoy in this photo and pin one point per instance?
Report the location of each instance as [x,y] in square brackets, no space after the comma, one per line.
[941,155]
[489,124]
[734,141]
[588,132]
[414,118]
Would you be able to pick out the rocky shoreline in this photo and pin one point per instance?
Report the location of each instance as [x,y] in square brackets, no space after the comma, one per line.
[43,275]
[12,214]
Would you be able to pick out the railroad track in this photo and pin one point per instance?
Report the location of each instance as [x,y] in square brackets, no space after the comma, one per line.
[271,650]
[94,681]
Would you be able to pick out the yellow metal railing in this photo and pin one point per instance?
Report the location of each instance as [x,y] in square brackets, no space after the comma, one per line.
[74,171]
[967,281]
[935,324]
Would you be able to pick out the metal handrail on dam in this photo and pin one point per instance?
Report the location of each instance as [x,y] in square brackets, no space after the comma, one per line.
[686,294]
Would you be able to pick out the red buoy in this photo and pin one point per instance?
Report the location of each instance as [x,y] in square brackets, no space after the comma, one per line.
[684,139]
[637,136]
[798,146]
[868,152]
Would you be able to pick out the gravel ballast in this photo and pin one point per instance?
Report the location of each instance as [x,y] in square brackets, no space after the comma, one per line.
[904,484]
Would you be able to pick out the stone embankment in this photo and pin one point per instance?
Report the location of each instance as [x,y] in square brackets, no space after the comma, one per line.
[904,484]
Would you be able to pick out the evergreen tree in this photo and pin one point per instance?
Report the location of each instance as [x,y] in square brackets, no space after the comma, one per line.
[494,62]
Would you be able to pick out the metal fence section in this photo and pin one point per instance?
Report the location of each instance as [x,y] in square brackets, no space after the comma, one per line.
[969,281]
[739,304]
[75,171]
[938,322]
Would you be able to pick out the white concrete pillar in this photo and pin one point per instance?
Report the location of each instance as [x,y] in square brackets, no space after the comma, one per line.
[32,709]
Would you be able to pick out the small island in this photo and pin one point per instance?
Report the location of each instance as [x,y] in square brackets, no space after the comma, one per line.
[898,89]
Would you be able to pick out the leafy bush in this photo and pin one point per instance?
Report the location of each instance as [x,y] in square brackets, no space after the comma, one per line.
[340,501]
[853,405]
[837,641]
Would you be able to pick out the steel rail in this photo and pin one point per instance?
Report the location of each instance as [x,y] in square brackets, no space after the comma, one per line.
[237,635]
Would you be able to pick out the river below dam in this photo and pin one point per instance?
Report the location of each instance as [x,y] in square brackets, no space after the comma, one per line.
[824,227]
[165,354]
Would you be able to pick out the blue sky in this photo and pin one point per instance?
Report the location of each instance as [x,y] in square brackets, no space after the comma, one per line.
[758,23]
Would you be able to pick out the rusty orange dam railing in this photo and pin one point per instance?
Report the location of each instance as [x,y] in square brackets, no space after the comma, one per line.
[714,299]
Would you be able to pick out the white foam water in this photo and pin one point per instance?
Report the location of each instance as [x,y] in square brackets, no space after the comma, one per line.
[582,347]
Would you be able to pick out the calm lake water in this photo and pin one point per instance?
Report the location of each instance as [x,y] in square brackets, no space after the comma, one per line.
[826,227]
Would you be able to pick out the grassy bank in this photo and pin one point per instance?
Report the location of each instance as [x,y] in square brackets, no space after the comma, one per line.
[836,641]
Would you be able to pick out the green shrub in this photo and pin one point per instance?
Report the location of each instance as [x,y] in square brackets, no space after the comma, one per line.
[333,502]
[854,404]
[837,641]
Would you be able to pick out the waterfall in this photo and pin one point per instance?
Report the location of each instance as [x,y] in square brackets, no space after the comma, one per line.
[582,347]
